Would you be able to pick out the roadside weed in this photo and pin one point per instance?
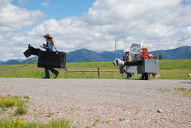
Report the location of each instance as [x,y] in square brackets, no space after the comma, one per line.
[22,124]
[10,101]
[21,110]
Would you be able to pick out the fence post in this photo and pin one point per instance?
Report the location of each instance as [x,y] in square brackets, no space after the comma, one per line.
[98,72]
[66,73]
[83,74]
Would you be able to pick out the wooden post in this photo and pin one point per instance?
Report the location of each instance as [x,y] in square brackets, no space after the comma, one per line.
[83,75]
[98,73]
[66,73]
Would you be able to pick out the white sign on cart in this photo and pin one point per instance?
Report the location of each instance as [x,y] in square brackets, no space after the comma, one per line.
[135,48]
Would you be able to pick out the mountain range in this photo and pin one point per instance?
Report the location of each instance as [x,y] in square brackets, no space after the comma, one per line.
[85,55]
[178,53]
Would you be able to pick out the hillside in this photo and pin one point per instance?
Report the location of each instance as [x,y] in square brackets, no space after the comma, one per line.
[84,55]
[178,53]
[31,60]
[10,62]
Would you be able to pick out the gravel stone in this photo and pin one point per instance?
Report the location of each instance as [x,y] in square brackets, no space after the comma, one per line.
[159,110]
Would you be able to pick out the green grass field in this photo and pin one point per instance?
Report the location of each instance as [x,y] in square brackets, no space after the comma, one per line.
[169,69]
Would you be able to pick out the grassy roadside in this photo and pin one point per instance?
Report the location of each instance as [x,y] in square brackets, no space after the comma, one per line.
[23,124]
[15,107]
[169,69]
[14,102]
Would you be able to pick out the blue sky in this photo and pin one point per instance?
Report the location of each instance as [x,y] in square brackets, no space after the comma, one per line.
[93,24]
[57,9]
[186,2]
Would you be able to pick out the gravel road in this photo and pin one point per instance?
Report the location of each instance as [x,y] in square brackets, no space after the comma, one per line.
[103,103]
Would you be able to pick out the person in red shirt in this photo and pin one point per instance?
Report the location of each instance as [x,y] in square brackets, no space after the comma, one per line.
[145,54]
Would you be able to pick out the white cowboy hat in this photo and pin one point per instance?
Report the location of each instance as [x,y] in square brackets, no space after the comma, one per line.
[144,47]
[126,50]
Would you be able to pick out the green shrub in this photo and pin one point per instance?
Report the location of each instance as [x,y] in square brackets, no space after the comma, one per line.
[26,97]
[21,110]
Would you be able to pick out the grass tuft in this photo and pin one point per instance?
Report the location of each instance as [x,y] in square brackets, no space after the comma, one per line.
[22,124]
[21,110]
[50,114]
[180,91]
[96,121]
[26,97]
[10,101]
[183,91]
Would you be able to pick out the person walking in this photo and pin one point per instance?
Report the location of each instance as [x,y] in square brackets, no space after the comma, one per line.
[49,47]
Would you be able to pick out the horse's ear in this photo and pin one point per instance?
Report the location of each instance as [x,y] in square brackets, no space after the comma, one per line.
[29,45]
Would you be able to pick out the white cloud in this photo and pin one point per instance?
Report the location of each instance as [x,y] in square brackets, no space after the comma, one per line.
[14,18]
[188,30]
[22,1]
[157,23]
[45,3]
[160,24]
